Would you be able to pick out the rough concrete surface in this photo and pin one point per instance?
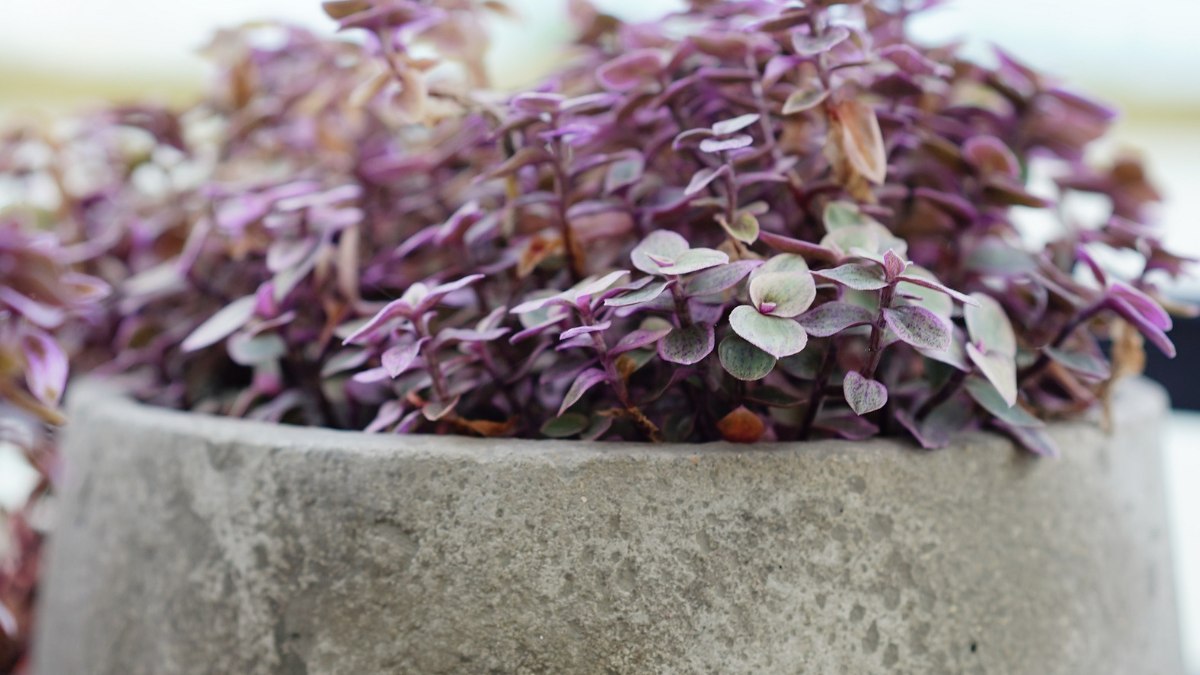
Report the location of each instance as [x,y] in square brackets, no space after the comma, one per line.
[190,544]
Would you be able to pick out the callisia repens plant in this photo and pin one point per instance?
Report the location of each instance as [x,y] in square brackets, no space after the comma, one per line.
[749,220]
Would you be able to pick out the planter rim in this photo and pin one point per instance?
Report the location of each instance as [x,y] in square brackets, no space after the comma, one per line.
[1132,399]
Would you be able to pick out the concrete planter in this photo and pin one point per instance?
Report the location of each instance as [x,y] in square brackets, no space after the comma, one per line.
[189,544]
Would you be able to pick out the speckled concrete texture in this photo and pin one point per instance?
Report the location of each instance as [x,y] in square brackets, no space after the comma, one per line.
[189,544]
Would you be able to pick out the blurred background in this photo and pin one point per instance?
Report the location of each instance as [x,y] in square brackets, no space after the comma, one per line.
[72,54]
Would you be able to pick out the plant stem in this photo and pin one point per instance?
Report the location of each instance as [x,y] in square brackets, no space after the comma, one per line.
[1043,359]
[561,187]
[949,388]
[875,348]
[818,392]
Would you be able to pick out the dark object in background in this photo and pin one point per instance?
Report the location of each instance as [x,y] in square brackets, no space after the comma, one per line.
[1180,375]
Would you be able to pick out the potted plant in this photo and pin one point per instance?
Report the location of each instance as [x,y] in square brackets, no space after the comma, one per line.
[747,222]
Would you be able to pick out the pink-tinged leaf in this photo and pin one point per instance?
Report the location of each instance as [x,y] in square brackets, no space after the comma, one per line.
[389,413]
[732,126]
[371,375]
[703,178]
[637,297]
[847,426]
[832,318]
[588,288]
[989,327]
[893,265]
[774,335]
[46,366]
[589,104]
[36,312]
[743,360]
[789,18]
[370,329]
[586,380]
[805,98]
[690,138]
[536,102]
[624,173]
[862,140]
[784,294]
[999,369]
[1144,304]
[990,156]
[437,293]
[659,245]
[630,70]
[919,327]
[694,260]
[995,403]
[639,338]
[687,345]
[858,277]
[471,335]
[939,427]
[811,252]
[811,45]
[85,288]
[933,285]
[1032,439]
[913,62]
[1145,326]
[400,358]
[537,304]
[585,330]
[864,395]
[716,145]
[718,279]
[1083,363]
[222,324]
[436,410]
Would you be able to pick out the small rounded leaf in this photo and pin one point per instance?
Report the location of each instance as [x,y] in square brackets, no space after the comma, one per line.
[785,294]
[832,318]
[862,394]
[774,335]
[743,360]
[687,345]
[660,245]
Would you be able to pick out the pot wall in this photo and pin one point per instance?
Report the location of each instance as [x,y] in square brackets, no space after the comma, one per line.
[192,544]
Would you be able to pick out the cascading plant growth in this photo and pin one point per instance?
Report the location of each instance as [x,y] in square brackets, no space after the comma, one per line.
[749,220]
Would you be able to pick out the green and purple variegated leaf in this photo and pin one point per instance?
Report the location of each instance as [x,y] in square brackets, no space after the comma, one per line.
[919,327]
[222,324]
[687,345]
[718,279]
[583,382]
[832,318]
[782,294]
[856,276]
[863,394]
[743,360]
[775,335]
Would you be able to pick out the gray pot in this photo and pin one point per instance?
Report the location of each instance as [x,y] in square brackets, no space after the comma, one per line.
[190,544]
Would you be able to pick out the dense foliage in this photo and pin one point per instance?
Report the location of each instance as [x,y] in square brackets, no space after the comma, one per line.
[752,220]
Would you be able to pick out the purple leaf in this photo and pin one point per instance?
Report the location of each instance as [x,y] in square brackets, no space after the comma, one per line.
[585,330]
[703,177]
[862,394]
[811,45]
[639,296]
[638,339]
[586,380]
[919,327]
[893,265]
[832,318]
[400,358]
[1144,304]
[1145,326]
[732,126]
[630,70]
[687,345]
[45,366]
[718,279]
[933,285]
[714,145]
[805,98]
[222,324]
[858,277]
